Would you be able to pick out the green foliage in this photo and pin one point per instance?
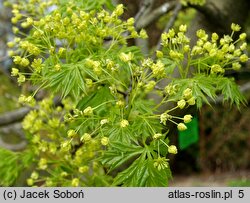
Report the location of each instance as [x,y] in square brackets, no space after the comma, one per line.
[108,132]
[12,164]
[142,173]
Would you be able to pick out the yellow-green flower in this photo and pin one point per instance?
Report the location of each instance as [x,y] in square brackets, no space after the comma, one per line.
[124,123]
[88,111]
[75,182]
[235,27]
[14,72]
[181,127]
[172,149]
[105,141]
[187,118]
[86,137]
[181,104]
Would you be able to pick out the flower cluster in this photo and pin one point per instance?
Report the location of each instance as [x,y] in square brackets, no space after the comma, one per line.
[224,53]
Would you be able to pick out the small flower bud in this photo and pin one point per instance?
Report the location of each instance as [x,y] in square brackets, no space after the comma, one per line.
[42,164]
[88,111]
[130,21]
[83,169]
[159,54]
[143,34]
[34,175]
[86,137]
[157,136]
[181,127]
[71,133]
[104,121]
[105,141]
[235,27]
[120,103]
[217,69]
[126,57]
[236,66]
[172,149]
[191,101]
[30,182]
[215,37]
[183,28]
[243,46]
[243,36]
[187,118]
[187,93]
[14,72]
[57,67]
[150,86]
[63,174]
[119,10]
[181,104]
[124,123]
[24,62]
[21,79]
[243,58]
[11,44]
[75,182]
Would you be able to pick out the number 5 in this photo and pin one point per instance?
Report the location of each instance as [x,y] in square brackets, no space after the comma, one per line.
[241,194]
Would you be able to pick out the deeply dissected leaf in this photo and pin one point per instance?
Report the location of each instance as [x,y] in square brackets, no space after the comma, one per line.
[10,168]
[119,153]
[68,81]
[96,98]
[169,66]
[157,178]
[143,173]
[230,91]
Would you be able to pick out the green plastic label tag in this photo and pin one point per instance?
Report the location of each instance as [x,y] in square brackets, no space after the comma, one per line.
[189,136]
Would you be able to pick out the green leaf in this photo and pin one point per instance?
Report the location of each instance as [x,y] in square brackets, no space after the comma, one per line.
[9,167]
[231,92]
[207,85]
[156,177]
[162,147]
[67,81]
[169,66]
[12,164]
[132,176]
[142,173]
[124,135]
[119,153]
[96,98]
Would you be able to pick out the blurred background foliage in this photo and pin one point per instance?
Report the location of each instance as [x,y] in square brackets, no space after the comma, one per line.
[224,141]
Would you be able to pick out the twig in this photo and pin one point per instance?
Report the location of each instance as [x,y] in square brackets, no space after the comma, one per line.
[155,14]
[19,114]
[144,9]
[14,116]
[15,128]
[170,23]
[14,147]
[4,58]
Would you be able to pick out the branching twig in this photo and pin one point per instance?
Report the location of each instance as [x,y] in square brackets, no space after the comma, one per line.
[155,14]
[145,7]
[19,114]
[170,22]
